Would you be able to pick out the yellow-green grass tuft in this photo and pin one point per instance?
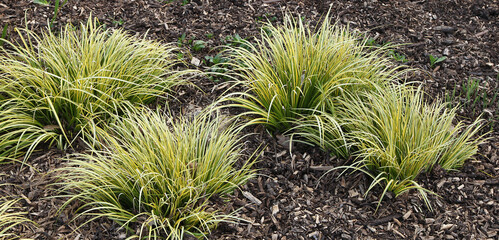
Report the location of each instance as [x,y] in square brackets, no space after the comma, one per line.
[10,217]
[397,136]
[294,70]
[156,175]
[55,87]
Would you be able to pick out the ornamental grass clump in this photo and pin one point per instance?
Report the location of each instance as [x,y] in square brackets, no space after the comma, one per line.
[56,87]
[396,136]
[294,70]
[155,176]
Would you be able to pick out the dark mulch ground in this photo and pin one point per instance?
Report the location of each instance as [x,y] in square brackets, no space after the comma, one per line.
[294,203]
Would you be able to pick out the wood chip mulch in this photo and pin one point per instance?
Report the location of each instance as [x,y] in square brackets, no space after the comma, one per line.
[291,198]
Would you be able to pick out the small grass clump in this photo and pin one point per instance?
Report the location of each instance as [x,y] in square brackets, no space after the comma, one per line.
[10,218]
[397,136]
[293,71]
[56,87]
[156,176]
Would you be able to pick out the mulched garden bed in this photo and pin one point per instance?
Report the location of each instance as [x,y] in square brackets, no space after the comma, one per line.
[291,198]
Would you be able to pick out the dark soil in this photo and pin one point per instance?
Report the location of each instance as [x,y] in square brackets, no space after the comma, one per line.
[294,204]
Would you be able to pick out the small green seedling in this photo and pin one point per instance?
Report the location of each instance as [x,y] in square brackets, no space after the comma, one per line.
[118,22]
[234,40]
[371,42]
[213,60]
[209,35]
[267,16]
[237,41]
[198,45]
[218,66]
[4,34]
[471,88]
[397,56]
[450,97]
[181,40]
[435,60]
[472,97]
[56,8]
[180,55]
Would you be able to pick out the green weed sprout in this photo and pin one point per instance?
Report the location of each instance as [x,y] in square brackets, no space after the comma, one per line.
[198,45]
[57,5]
[156,175]
[293,71]
[4,34]
[435,60]
[53,88]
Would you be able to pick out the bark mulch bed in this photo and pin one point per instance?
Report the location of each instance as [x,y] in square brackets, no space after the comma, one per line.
[289,199]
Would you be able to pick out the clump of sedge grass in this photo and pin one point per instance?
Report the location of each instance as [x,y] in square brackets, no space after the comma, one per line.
[293,71]
[159,174]
[397,136]
[56,87]
[10,218]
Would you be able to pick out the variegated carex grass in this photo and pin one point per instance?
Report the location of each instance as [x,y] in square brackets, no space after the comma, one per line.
[294,70]
[155,176]
[56,87]
[10,217]
[397,136]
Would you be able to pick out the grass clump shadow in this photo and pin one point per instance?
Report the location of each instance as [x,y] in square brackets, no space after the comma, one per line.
[55,88]
[156,176]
